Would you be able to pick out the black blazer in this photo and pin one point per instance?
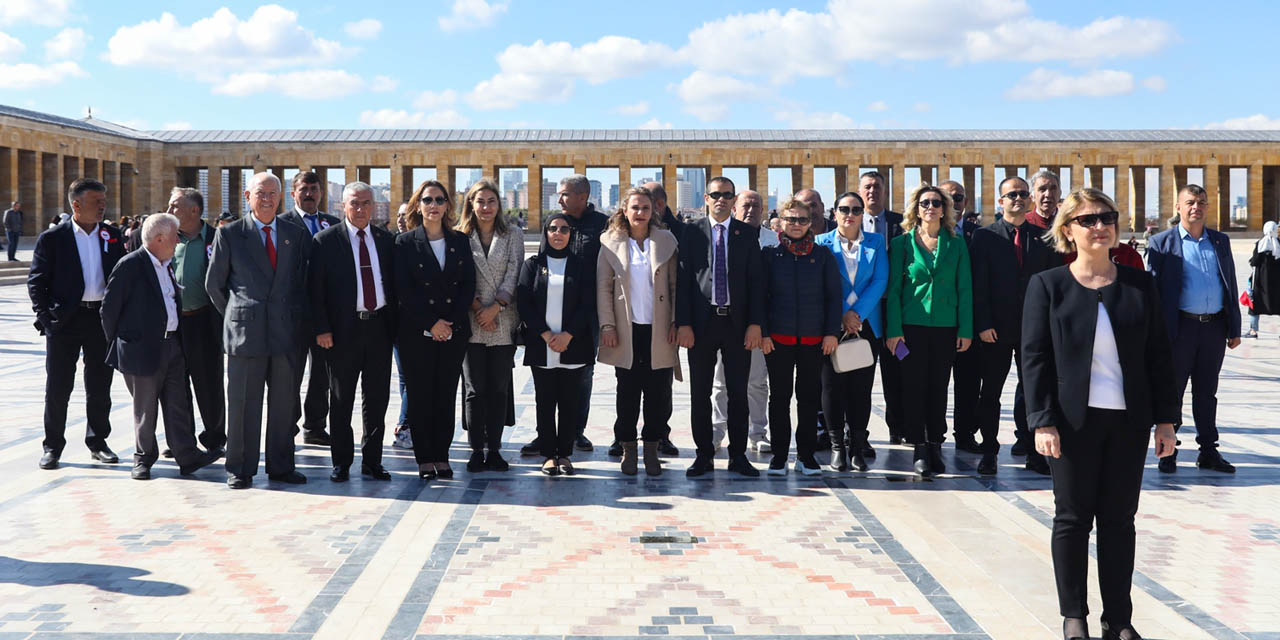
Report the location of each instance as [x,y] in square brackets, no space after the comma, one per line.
[134,317]
[999,284]
[55,282]
[1058,324]
[425,292]
[695,283]
[332,283]
[576,315]
[673,224]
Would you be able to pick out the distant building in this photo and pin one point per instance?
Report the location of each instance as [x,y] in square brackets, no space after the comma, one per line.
[615,193]
[596,189]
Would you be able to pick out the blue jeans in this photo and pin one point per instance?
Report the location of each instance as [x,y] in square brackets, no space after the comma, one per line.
[404,397]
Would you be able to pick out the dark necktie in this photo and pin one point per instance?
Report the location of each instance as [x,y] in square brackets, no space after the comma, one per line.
[1017,245]
[271,248]
[311,224]
[720,270]
[366,275]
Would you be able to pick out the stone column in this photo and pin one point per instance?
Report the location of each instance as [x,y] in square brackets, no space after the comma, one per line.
[1255,204]
[580,167]
[944,173]
[967,179]
[1138,196]
[1122,197]
[397,195]
[1179,179]
[1095,177]
[213,205]
[1168,194]
[535,196]
[1224,196]
[13,188]
[758,175]
[989,195]
[278,172]
[56,194]
[364,173]
[806,176]
[444,174]
[897,181]
[235,190]
[111,178]
[1217,218]
[669,183]
[39,218]
[624,177]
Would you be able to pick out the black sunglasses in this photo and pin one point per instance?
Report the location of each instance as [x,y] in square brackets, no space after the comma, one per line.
[796,220]
[958,198]
[436,200]
[931,202]
[849,211]
[721,195]
[558,228]
[1090,220]
[1014,195]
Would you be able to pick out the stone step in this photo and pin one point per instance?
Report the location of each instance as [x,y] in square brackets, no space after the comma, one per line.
[12,279]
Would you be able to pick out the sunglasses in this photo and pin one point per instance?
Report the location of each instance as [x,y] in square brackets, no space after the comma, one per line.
[957,198]
[721,195]
[1089,220]
[849,211]
[435,200]
[558,228]
[796,220]
[1014,195]
[931,202]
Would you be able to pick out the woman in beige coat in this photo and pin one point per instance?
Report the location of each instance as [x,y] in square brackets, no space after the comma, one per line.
[635,287]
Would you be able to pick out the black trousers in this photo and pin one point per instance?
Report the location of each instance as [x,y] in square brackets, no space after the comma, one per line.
[797,367]
[928,369]
[891,385]
[201,335]
[846,397]
[719,338]
[1099,476]
[369,360]
[557,394]
[13,237]
[431,371]
[966,376]
[486,379]
[642,383]
[1197,357]
[81,332]
[996,358]
[315,410]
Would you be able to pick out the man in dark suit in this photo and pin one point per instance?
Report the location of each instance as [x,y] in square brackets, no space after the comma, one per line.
[257,280]
[13,228]
[140,321]
[66,283]
[352,308]
[306,191]
[1003,256]
[878,219]
[1196,277]
[718,312]
[967,370]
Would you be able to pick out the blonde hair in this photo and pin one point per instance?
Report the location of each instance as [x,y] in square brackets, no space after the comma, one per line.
[911,218]
[467,222]
[618,221]
[1057,236]
[791,204]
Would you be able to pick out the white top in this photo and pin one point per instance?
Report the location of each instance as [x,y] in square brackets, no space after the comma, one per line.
[641,281]
[167,288]
[850,251]
[1106,380]
[90,245]
[555,309]
[724,228]
[437,247]
[373,263]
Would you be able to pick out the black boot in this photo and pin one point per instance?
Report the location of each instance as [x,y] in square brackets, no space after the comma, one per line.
[921,458]
[935,458]
[839,458]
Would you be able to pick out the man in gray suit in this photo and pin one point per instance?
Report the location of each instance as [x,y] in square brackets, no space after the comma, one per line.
[257,279]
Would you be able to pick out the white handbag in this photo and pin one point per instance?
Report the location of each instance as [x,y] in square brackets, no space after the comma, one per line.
[851,355]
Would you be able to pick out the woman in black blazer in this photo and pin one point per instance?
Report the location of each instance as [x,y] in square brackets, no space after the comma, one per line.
[1098,368]
[559,373]
[436,281]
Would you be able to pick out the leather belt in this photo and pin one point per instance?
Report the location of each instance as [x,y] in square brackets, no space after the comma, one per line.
[366,315]
[1200,317]
[196,312]
[721,311]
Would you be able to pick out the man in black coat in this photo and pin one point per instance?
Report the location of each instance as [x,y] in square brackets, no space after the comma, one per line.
[719,312]
[307,190]
[879,219]
[140,313]
[967,370]
[352,308]
[66,283]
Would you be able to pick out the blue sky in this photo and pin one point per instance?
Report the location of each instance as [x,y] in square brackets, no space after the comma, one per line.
[710,64]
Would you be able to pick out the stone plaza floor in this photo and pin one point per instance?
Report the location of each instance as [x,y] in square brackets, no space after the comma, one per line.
[86,552]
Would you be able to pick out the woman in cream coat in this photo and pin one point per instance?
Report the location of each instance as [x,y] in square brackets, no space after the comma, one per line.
[635,286]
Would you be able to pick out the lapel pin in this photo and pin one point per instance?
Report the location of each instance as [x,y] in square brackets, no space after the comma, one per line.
[286,241]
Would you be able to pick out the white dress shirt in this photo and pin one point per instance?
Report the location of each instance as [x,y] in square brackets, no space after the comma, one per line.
[641,282]
[89,245]
[167,288]
[1106,380]
[875,224]
[724,226]
[850,250]
[555,310]
[373,260]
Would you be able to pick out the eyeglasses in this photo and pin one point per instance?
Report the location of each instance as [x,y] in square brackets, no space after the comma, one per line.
[435,200]
[796,220]
[932,202]
[721,195]
[558,228]
[1014,195]
[957,198]
[849,211]
[1090,220]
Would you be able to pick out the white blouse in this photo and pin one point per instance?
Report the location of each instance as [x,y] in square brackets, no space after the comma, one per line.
[437,247]
[1106,380]
[555,310]
[641,282]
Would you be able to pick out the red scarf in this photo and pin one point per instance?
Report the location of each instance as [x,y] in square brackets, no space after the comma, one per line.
[800,247]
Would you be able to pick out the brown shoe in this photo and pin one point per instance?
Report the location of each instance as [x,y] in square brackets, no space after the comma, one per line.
[629,461]
[652,466]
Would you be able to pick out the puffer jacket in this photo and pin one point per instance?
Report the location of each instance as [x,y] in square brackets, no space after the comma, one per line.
[802,293]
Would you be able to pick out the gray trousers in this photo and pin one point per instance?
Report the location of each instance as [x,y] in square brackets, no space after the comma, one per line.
[247,378]
[165,390]
[757,400]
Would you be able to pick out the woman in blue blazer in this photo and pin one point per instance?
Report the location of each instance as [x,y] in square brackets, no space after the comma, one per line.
[864,275]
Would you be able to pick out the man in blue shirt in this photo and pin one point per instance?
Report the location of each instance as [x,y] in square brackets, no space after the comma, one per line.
[1195,275]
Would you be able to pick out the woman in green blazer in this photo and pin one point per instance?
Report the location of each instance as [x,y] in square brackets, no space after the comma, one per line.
[929,310]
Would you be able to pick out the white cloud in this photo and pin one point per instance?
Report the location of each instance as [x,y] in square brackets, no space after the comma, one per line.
[430,100]
[48,13]
[10,46]
[180,125]
[383,83]
[270,38]
[632,108]
[708,95]
[877,106]
[921,107]
[548,71]
[311,84]
[1039,40]
[654,123]
[399,119]
[472,14]
[1043,84]
[818,120]
[1255,121]
[68,44]
[33,76]
[1156,83]
[366,29]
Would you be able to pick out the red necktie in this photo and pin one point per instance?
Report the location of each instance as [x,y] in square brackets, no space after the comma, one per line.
[366,275]
[1017,244]
[271,248]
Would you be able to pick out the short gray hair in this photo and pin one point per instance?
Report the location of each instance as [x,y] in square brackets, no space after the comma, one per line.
[577,183]
[1045,173]
[158,224]
[355,187]
[192,196]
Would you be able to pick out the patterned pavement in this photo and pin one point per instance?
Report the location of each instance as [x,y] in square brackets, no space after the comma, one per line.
[85,552]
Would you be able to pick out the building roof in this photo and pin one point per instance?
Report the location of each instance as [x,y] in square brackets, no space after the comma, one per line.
[88,124]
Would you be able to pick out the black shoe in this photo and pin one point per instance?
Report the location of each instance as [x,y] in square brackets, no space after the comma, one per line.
[203,460]
[220,451]
[1075,629]
[868,452]
[292,477]
[1169,463]
[104,455]
[49,460]
[741,465]
[895,438]
[239,482]
[375,471]
[666,448]
[1213,461]
[427,471]
[968,444]
[167,453]
[1019,448]
[532,449]
[700,466]
[476,463]
[582,443]
[987,466]
[1038,464]
[920,458]
[1125,632]
[446,472]
[859,462]
[936,464]
[141,472]
[317,437]
[494,462]
[615,449]
[340,474]
[839,460]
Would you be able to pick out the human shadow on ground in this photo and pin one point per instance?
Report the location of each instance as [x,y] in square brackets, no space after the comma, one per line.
[115,579]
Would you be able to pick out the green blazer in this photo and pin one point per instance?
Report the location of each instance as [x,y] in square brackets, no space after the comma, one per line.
[926,292]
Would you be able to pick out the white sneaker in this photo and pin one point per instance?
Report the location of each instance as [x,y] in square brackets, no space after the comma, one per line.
[403,439]
[761,446]
[776,472]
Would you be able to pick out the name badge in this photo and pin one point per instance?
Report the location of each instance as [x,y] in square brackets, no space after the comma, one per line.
[324,224]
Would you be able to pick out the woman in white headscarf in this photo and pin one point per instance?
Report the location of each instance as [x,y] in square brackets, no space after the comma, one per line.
[1264,284]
